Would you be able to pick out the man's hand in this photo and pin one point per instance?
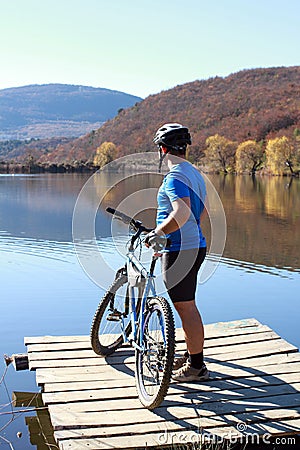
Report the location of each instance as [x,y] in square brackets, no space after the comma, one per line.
[157,242]
[148,237]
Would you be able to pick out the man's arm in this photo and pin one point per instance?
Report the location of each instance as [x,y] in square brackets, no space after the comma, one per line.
[177,218]
[205,211]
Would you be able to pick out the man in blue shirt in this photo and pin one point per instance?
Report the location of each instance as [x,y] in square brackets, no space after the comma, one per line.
[181,200]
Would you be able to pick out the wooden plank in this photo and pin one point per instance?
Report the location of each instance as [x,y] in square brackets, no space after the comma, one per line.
[214,342]
[213,329]
[127,364]
[218,370]
[62,417]
[169,414]
[266,416]
[284,427]
[255,381]
[66,342]
[93,372]
[221,329]
[135,429]
[238,350]
[251,350]
[175,394]
[96,361]
[237,339]
[179,439]
[31,340]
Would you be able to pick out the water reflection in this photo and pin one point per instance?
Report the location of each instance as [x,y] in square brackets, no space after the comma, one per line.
[39,425]
[276,196]
[282,199]
[263,219]
[39,206]
[263,213]
[249,267]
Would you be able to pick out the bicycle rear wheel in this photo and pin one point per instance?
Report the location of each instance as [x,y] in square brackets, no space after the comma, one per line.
[154,364]
[106,331]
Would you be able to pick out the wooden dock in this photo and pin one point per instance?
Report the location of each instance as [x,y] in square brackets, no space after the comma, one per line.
[254,390]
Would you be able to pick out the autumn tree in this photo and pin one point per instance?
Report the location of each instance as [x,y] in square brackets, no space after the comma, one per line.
[296,146]
[30,162]
[219,152]
[105,154]
[249,156]
[280,154]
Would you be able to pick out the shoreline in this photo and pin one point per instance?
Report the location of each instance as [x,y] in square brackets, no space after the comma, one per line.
[10,169]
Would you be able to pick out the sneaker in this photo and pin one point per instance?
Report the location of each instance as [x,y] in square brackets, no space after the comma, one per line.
[180,361]
[188,373]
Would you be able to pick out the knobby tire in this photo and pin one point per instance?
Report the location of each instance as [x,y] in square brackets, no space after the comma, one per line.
[163,362]
[99,318]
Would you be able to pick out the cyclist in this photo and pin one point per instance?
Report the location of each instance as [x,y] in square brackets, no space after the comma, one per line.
[181,199]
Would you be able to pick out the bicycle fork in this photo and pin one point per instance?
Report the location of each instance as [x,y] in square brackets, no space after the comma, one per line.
[136,339]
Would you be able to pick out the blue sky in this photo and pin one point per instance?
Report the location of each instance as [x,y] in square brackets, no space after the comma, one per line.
[143,46]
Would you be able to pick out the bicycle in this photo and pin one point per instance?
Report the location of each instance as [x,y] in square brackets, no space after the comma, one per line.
[130,311]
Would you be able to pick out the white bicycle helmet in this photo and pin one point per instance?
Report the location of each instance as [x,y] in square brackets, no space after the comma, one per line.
[174,137]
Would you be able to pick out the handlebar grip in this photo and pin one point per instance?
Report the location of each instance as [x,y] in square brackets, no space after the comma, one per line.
[126,219]
[110,210]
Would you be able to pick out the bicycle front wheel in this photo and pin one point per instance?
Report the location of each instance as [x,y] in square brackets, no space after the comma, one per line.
[111,318]
[155,362]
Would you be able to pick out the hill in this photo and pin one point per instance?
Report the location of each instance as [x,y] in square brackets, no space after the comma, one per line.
[52,110]
[18,150]
[251,104]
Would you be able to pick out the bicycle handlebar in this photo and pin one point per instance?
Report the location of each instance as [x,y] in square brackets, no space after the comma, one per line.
[136,224]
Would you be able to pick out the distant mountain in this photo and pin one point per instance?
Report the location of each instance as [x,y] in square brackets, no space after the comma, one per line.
[52,110]
[251,104]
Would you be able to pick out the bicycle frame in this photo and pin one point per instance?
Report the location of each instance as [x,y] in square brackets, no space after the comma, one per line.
[137,320]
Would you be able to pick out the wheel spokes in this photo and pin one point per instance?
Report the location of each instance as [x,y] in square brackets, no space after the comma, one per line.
[152,358]
[114,320]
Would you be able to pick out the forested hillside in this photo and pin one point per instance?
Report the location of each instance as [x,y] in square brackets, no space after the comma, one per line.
[252,104]
[245,122]
[19,150]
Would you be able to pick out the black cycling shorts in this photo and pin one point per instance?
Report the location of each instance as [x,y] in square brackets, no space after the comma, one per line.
[180,270]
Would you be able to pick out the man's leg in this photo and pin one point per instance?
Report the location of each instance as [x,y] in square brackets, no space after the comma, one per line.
[182,287]
[192,326]
[193,368]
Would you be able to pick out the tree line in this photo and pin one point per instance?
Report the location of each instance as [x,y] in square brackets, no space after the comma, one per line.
[277,156]
[31,165]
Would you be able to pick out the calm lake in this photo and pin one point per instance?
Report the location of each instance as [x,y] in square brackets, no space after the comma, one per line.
[44,289]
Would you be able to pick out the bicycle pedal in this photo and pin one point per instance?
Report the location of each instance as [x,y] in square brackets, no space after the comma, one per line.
[114,316]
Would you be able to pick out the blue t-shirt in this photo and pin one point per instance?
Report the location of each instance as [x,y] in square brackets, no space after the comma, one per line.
[183,180]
